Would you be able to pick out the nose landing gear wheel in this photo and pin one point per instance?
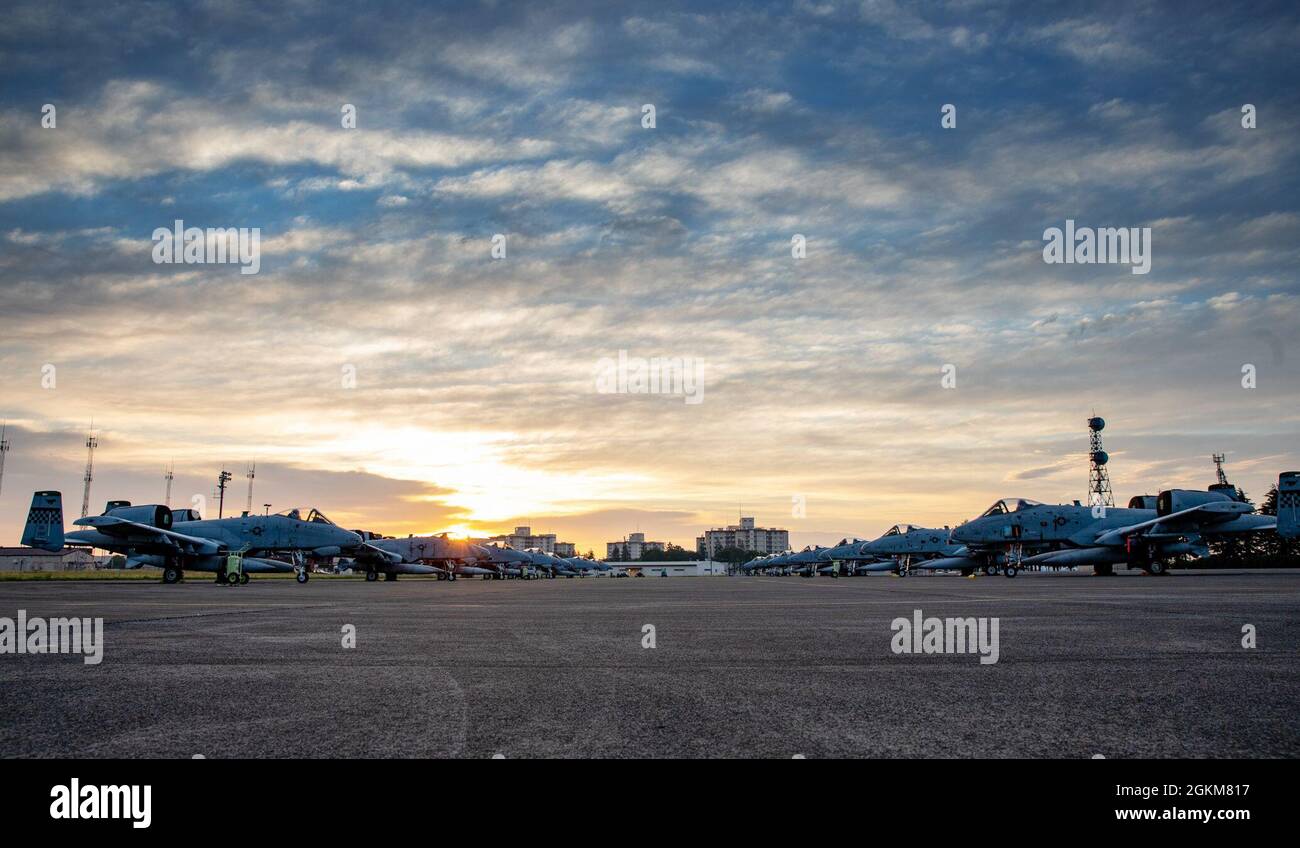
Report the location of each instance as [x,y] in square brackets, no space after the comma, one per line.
[302,576]
[171,574]
[371,577]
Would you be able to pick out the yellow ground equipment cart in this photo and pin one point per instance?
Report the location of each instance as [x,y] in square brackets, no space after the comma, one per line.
[235,574]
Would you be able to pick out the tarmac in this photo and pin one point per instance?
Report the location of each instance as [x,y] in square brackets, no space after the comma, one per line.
[1120,667]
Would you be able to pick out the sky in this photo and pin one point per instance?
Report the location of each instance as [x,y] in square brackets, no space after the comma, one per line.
[917,362]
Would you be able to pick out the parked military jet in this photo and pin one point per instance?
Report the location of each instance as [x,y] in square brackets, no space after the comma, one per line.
[928,548]
[1145,535]
[504,560]
[851,557]
[151,535]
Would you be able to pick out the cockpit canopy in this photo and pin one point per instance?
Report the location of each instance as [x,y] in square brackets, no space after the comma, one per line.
[1010,505]
[314,516]
[899,530]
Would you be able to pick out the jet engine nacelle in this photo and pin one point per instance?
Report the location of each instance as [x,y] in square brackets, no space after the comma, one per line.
[153,515]
[1142,502]
[1176,500]
[180,516]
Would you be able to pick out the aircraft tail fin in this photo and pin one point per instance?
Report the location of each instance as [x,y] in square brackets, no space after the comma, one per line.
[1288,505]
[45,522]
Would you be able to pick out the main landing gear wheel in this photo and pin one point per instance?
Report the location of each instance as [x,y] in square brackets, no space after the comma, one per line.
[371,577]
[990,570]
[1156,568]
[243,579]
[302,576]
[1010,571]
[171,574]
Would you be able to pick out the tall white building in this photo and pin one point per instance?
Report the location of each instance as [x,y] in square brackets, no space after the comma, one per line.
[746,536]
[634,544]
[523,539]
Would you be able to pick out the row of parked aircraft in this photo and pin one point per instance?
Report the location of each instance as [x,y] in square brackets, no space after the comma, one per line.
[179,540]
[1010,535]
[1017,532]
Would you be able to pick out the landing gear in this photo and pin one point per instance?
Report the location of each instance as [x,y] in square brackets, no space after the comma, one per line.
[243,579]
[990,570]
[302,575]
[371,576]
[1010,571]
[1156,568]
[172,574]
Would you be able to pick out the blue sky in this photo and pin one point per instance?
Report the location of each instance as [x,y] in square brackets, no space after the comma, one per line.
[474,407]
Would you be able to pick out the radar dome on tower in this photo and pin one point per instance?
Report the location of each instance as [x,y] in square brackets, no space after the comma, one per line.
[1096,424]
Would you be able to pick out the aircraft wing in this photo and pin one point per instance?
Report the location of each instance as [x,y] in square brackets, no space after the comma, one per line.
[111,526]
[1183,521]
[369,551]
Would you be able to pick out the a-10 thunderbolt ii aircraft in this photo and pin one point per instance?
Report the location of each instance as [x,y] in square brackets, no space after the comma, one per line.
[928,548]
[1146,534]
[902,549]
[448,558]
[179,541]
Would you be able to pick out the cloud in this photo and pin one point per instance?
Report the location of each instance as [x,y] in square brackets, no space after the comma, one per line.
[474,400]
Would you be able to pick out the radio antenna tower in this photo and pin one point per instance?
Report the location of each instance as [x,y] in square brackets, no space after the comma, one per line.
[222,479]
[4,449]
[169,475]
[92,442]
[250,474]
[1099,491]
[1218,467]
